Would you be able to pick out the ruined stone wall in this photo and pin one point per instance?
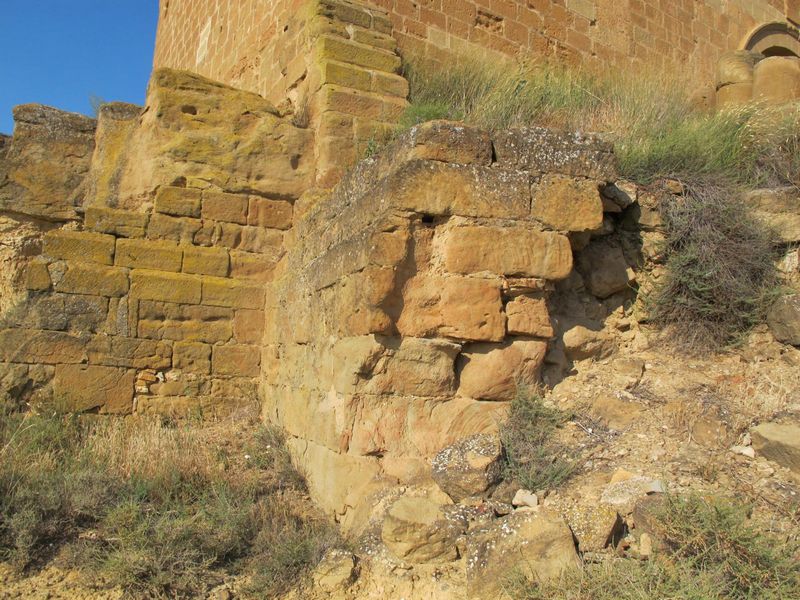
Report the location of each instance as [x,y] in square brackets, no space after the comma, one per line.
[150,298]
[253,44]
[415,298]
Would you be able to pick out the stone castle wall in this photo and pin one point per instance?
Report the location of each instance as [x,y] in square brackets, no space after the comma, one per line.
[140,285]
[255,44]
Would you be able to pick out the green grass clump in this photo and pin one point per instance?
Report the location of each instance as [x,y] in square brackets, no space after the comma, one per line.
[534,458]
[163,511]
[658,131]
[719,278]
[712,552]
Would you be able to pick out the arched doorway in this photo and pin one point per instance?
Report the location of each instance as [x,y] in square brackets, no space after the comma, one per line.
[774,39]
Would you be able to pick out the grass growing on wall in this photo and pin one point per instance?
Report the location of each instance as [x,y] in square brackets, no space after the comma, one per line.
[163,511]
[656,129]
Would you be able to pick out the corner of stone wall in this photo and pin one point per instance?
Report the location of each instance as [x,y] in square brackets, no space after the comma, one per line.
[355,92]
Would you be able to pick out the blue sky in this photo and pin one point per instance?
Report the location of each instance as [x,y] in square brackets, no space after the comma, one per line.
[61,52]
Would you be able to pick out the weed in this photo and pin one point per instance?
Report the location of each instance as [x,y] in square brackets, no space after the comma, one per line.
[713,552]
[534,458]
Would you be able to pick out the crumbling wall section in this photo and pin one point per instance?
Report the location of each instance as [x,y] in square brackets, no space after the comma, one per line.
[414,300]
[151,300]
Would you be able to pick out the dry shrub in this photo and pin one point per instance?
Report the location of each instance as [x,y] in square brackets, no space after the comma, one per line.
[534,457]
[719,277]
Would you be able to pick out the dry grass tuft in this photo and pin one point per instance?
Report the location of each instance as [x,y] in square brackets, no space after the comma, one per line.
[161,510]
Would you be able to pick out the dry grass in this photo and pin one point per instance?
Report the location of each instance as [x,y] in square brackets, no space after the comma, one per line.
[712,552]
[159,509]
[656,128]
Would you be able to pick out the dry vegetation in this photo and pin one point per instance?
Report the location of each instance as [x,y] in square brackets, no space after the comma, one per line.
[710,551]
[161,510]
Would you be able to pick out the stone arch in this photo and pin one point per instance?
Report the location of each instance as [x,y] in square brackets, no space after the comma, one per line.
[774,39]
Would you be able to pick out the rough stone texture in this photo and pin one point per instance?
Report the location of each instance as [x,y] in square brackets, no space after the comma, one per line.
[417,530]
[83,388]
[779,443]
[780,210]
[538,543]
[470,467]
[45,163]
[567,204]
[784,319]
[491,372]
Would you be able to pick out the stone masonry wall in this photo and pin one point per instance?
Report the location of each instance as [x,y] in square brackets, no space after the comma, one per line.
[415,299]
[331,63]
[250,43]
[151,300]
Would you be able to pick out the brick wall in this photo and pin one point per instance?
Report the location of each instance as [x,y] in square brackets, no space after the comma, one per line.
[252,43]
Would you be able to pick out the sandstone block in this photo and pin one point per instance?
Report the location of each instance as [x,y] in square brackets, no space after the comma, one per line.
[275,214]
[734,95]
[492,372]
[604,268]
[436,188]
[784,319]
[413,367]
[339,49]
[780,209]
[79,246]
[178,201]
[336,571]
[192,357]
[37,277]
[164,320]
[166,287]
[176,229]
[452,307]
[260,240]
[417,530]
[248,326]
[81,388]
[582,341]
[345,75]
[206,261]
[132,353]
[469,467]
[513,251]
[45,347]
[779,443]
[236,360]
[45,162]
[246,265]
[90,279]
[594,525]
[736,67]
[529,316]
[567,204]
[233,294]
[541,150]
[123,223]
[539,544]
[149,254]
[776,80]
[448,142]
[220,206]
